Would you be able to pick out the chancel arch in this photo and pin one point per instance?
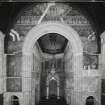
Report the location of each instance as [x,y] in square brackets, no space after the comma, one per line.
[25,55]
[33,35]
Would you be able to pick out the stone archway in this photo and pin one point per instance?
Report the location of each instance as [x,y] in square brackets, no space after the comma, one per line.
[34,34]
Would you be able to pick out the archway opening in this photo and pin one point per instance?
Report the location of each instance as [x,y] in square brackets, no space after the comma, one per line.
[90,100]
[53,88]
[51,53]
[51,47]
[14,100]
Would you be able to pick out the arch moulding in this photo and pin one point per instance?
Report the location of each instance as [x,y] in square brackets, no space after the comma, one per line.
[52,27]
[33,35]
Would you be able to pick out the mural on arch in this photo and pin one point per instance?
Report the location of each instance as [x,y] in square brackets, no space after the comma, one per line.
[65,13]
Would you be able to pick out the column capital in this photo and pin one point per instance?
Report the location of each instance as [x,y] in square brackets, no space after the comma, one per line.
[27,54]
[102,38]
[2,35]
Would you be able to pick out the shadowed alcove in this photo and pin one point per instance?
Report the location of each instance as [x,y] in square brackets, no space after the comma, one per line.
[52,74]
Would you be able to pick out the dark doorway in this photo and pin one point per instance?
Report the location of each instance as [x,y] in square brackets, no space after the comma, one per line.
[52,76]
[1,99]
[90,100]
[14,100]
[53,88]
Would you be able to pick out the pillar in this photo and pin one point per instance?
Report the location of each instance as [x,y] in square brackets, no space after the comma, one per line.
[73,91]
[26,78]
[58,96]
[102,63]
[47,92]
[2,63]
[102,56]
[77,68]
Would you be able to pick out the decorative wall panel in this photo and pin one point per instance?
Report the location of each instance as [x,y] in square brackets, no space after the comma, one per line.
[14,85]
[14,80]
[14,65]
[65,13]
[68,14]
[90,61]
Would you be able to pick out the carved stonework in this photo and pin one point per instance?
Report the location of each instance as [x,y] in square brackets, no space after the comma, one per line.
[71,24]
[67,14]
[1,43]
[102,38]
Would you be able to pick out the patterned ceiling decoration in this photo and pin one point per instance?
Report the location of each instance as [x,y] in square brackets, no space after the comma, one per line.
[53,41]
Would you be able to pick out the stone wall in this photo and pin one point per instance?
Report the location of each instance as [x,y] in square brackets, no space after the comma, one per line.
[69,73]
[71,15]
[76,89]
[102,67]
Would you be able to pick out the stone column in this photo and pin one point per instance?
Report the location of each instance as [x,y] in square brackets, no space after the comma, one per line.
[58,92]
[102,56]
[47,92]
[2,68]
[26,78]
[77,64]
[102,61]
[68,58]
[77,67]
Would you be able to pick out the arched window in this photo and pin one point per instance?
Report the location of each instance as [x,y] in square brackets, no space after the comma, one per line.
[53,83]
[14,100]
[90,100]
